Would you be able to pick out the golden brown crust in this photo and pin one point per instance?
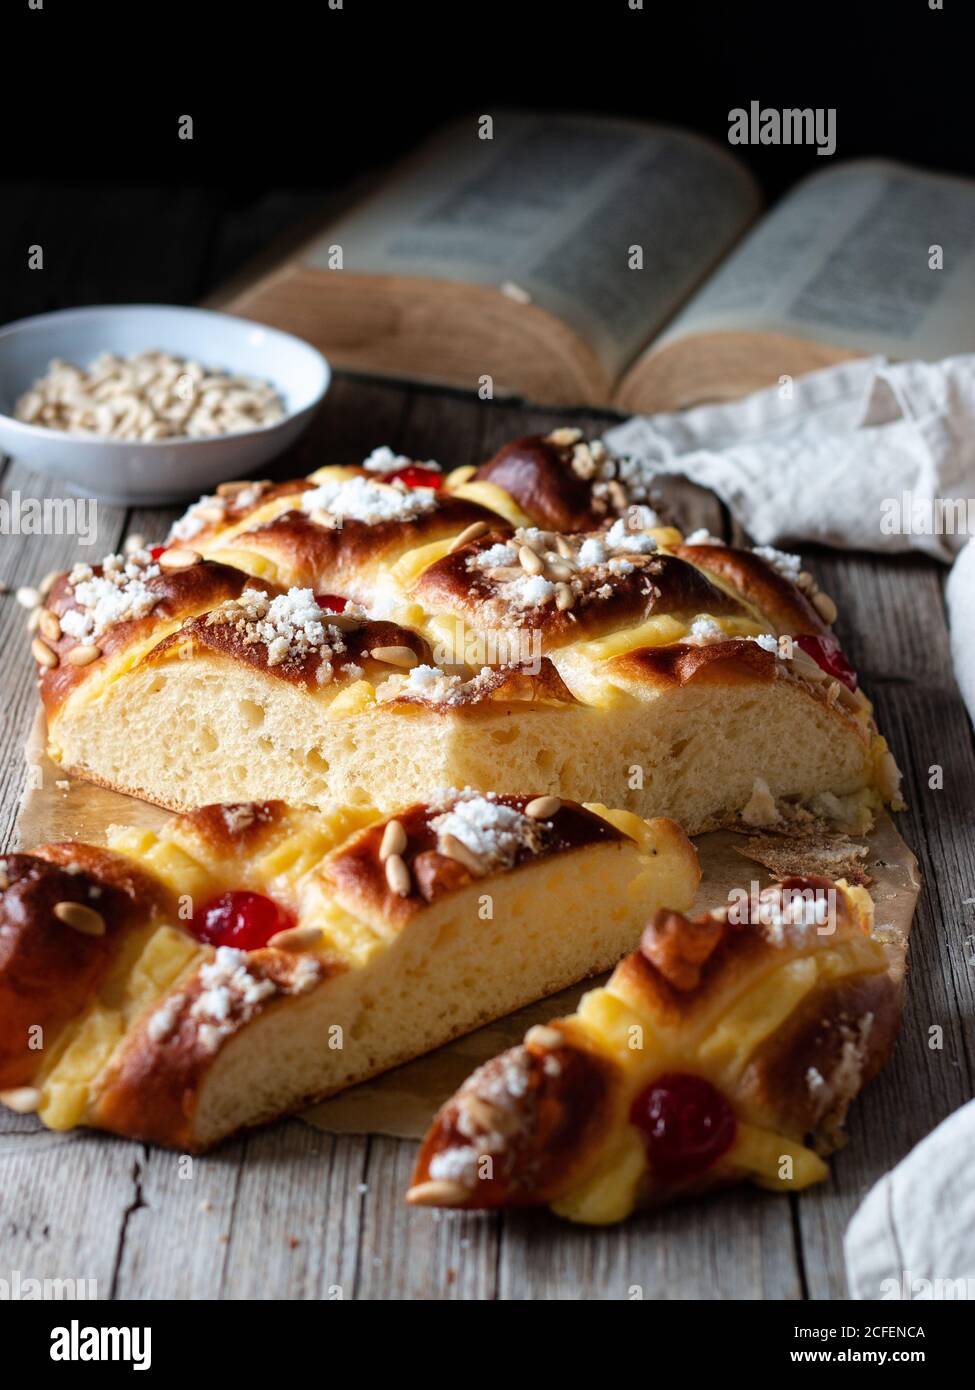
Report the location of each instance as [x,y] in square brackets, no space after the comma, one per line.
[760,585]
[152,1088]
[232,510]
[804,1076]
[538,475]
[359,875]
[343,559]
[234,827]
[735,661]
[207,633]
[181,593]
[494,686]
[521,1125]
[49,970]
[604,600]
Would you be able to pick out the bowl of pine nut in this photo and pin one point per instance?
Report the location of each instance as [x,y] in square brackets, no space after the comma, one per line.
[146,404]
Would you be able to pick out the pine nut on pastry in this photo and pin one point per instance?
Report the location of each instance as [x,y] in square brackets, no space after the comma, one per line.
[365,636]
[726,1048]
[249,958]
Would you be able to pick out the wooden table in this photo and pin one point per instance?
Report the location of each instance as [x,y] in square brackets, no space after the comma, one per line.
[288,1212]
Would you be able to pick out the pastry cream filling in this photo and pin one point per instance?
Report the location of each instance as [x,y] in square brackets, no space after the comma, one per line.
[150,960]
[260,516]
[494,498]
[580,665]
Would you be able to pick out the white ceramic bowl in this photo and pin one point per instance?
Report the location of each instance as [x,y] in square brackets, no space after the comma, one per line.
[164,470]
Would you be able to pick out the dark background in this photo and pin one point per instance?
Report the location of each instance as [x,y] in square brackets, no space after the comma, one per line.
[293,103]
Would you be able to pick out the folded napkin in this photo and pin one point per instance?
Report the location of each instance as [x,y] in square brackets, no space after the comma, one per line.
[867,455]
[913,1237]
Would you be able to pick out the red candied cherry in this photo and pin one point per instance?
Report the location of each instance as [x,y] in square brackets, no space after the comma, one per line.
[828,654]
[332,603]
[156,551]
[686,1123]
[416,476]
[244,920]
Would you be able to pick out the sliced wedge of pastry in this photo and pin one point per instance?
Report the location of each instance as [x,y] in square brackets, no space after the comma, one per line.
[249,958]
[726,1048]
[370,633]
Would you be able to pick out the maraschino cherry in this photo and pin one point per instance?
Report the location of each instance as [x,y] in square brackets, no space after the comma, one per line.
[332,603]
[414,475]
[686,1123]
[244,920]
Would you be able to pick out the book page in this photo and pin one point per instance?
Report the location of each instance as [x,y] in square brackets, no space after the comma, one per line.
[844,260]
[551,206]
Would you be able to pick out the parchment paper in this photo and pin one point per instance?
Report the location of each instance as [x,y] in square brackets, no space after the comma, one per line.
[401,1103]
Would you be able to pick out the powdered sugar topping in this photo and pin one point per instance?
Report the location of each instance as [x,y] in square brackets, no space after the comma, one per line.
[362,499]
[496,834]
[383,460]
[788,565]
[119,594]
[291,626]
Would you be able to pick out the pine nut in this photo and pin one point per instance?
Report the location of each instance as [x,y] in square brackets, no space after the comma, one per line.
[84,655]
[455,849]
[398,875]
[24,1100]
[178,558]
[617,495]
[296,939]
[437,1194]
[543,1036]
[564,597]
[543,807]
[345,622]
[80,918]
[43,654]
[530,562]
[393,841]
[564,548]
[49,625]
[825,607]
[395,656]
[28,597]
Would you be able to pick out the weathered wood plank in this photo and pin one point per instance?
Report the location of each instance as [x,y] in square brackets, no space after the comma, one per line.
[405,1253]
[735,1246]
[64,1202]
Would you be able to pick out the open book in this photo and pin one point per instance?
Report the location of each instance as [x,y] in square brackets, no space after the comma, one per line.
[578,260]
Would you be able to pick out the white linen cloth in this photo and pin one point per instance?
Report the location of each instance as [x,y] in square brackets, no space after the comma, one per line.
[913,1236]
[857,456]
[864,456]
